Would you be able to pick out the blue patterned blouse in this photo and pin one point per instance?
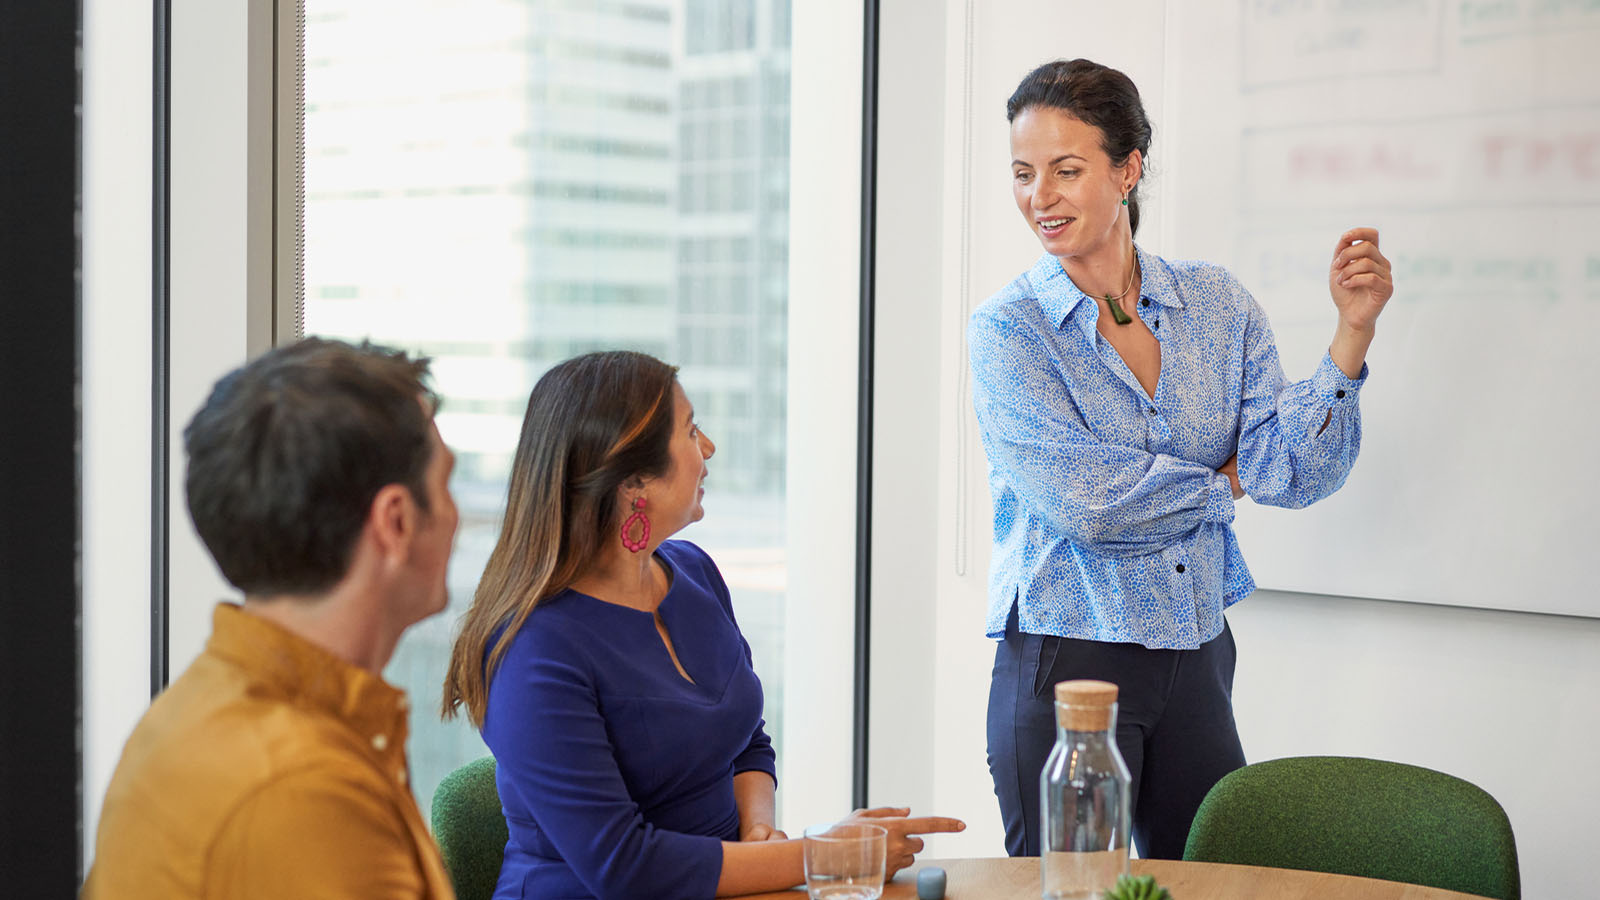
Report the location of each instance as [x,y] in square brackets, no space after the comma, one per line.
[1111,521]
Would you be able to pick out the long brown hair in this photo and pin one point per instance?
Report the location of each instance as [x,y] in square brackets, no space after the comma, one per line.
[593,423]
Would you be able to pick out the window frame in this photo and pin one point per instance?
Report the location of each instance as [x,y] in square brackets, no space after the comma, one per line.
[841,87]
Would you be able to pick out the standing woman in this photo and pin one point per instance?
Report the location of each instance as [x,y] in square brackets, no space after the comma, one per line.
[603,665]
[1126,403]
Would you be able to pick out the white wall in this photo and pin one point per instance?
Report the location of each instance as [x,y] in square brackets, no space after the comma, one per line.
[220,80]
[116,387]
[823,278]
[906,415]
[219,75]
[1503,699]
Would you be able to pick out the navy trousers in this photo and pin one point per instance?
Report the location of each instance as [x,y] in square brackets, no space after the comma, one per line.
[1175,728]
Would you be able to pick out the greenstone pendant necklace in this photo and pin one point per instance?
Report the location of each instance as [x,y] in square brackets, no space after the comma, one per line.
[1117,315]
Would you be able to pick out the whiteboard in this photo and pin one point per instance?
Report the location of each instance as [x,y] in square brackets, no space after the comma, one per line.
[1468,131]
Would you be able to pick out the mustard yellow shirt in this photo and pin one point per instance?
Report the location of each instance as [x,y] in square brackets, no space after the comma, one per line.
[269,769]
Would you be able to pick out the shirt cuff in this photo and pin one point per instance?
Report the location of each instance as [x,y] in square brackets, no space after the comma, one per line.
[1219,506]
[1332,388]
[765,763]
[698,866]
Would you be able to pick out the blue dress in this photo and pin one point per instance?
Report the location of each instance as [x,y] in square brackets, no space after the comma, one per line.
[616,773]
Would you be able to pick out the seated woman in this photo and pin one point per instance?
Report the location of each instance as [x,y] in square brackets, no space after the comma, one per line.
[603,665]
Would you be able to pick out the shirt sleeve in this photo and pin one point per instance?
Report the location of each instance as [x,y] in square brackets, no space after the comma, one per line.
[314,834]
[757,755]
[1115,500]
[1297,442]
[552,748]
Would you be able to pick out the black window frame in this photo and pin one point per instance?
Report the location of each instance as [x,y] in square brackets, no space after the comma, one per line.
[41,842]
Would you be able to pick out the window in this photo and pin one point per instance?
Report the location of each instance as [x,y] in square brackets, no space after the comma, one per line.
[502,185]
[720,26]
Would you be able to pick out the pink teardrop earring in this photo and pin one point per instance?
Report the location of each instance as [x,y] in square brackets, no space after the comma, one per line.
[644,532]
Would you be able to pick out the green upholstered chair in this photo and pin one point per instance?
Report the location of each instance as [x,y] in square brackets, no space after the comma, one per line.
[1361,817]
[470,828]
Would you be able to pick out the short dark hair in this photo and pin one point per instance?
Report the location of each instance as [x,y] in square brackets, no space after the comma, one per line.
[288,452]
[1095,95]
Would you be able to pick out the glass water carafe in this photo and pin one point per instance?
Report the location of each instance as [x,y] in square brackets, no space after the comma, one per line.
[1083,805]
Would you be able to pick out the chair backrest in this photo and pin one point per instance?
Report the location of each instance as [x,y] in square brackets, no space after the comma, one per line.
[1361,817]
[470,828]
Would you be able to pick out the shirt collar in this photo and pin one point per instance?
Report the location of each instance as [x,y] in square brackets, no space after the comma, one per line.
[1061,299]
[292,668]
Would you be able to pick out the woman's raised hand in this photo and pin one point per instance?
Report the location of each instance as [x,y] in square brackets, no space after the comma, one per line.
[903,845]
[1359,279]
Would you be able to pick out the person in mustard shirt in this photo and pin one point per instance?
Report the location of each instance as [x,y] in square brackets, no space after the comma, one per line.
[275,766]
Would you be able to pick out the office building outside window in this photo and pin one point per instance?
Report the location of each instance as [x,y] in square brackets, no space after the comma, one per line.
[502,184]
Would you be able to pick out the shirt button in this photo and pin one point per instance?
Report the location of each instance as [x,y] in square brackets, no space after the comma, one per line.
[1158,323]
[1339,394]
[1180,568]
[1152,410]
[380,742]
[1145,302]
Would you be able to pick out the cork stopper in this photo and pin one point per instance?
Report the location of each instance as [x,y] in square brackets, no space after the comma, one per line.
[1084,705]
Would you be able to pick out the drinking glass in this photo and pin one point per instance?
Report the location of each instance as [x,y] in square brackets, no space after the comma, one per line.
[845,861]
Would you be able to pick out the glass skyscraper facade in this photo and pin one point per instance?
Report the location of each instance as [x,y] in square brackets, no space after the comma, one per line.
[502,184]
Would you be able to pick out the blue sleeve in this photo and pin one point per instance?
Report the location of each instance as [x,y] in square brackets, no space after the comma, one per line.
[550,742]
[1115,500]
[758,755]
[1287,457]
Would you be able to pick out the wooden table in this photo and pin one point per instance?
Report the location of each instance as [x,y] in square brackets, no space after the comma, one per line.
[1018,879]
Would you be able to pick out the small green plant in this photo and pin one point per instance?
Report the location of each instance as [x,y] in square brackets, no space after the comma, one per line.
[1141,887]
